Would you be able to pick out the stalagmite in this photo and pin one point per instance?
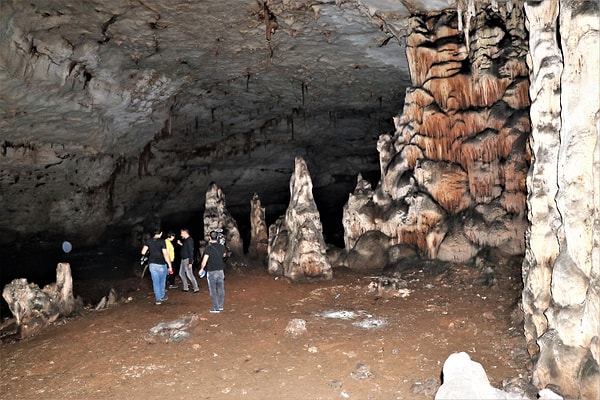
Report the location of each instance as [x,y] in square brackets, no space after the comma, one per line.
[296,246]
[216,216]
[259,235]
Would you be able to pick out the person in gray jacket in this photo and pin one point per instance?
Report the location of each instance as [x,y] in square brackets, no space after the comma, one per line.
[187,261]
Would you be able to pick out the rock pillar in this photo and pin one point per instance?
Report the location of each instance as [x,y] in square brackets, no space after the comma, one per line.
[561,270]
[216,216]
[259,235]
[297,249]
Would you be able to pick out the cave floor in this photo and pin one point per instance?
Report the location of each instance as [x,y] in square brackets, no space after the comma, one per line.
[358,344]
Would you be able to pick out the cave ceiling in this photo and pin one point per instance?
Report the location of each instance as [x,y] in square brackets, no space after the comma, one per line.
[112,110]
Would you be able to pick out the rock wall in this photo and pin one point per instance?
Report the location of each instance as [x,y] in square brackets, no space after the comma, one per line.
[453,173]
[561,270]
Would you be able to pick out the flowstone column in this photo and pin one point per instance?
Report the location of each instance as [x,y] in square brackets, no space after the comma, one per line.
[561,272]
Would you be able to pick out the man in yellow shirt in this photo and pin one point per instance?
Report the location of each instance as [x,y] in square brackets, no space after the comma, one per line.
[171,276]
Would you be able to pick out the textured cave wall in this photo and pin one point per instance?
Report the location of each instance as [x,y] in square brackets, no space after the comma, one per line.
[114,110]
[453,173]
[76,113]
[561,270]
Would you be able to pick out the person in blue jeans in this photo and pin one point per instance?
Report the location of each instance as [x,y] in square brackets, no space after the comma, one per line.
[213,261]
[159,264]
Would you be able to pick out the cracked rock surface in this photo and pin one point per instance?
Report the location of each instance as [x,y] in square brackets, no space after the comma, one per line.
[112,110]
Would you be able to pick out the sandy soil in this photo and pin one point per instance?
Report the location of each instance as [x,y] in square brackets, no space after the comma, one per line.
[358,344]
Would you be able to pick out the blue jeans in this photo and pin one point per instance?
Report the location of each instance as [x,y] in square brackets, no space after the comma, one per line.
[216,287]
[158,272]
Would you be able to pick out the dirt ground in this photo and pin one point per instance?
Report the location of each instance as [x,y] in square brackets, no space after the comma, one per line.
[359,343]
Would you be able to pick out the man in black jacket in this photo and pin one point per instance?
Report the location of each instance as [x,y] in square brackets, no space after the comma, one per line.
[187,260]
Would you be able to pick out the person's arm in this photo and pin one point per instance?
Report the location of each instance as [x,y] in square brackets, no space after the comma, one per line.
[144,249]
[204,261]
[167,257]
[189,246]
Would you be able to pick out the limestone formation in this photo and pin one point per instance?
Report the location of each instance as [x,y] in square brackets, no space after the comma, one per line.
[465,379]
[453,173]
[216,216]
[369,252]
[296,246]
[35,308]
[259,235]
[360,213]
[561,271]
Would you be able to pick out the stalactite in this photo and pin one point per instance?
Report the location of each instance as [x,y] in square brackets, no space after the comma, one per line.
[464,21]
[483,178]
[304,91]
[483,147]
[514,176]
[461,92]
[411,154]
[435,125]
[514,202]
[290,124]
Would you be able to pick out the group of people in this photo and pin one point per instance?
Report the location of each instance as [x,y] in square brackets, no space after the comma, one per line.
[161,255]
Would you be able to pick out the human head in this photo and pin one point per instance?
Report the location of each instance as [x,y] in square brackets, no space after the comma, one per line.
[157,232]
[213,235]
[185,233]
[171,236]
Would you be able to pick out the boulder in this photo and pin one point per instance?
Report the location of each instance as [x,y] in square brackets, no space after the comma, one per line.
[464,379]
[369,252]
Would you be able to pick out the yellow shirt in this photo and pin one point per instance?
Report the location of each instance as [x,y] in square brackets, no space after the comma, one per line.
[171,249]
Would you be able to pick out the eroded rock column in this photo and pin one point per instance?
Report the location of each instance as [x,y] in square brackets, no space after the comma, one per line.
[297,249]
[216,216]
[259,235]
[561,270]
[453,173]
